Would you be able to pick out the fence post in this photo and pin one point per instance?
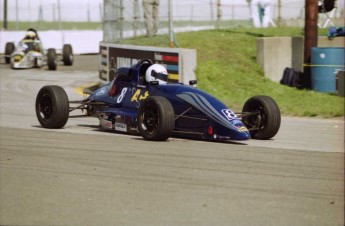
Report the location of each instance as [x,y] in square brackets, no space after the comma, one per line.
[135,17]
[171,31]
[5,14]
[219,13]
[113,21]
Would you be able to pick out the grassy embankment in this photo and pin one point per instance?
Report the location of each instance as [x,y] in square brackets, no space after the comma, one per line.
[227,68]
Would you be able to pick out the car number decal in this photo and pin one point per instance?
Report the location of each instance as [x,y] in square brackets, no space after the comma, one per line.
[122,95]
[229,114]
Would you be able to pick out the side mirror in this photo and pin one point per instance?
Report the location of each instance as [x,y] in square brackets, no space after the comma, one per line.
[192,82]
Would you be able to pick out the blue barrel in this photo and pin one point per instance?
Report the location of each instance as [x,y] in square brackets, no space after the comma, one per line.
[326,62]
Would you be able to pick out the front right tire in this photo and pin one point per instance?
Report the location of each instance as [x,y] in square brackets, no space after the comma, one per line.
[261,117]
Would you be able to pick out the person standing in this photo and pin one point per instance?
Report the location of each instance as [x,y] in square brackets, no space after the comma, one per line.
[151,15]
[260,11]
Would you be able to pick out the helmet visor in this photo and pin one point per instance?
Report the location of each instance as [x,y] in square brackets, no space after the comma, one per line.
[160,76]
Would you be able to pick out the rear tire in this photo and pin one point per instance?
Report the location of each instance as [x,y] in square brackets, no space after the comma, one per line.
[156,118]
[9,48]
[264,123]
[67,55]
[52,107]
[51,59]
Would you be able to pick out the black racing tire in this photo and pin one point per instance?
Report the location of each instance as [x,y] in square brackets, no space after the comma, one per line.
[264,122]
[67,55]
[52,107]
[9,48]
[156,118]
[51,59]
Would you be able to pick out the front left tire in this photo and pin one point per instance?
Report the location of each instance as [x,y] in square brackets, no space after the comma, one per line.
[156,118]
[52,107]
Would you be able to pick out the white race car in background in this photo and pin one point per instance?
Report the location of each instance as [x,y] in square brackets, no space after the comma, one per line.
[31,54]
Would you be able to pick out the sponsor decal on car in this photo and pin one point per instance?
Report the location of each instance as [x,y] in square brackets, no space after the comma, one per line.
[106,123]
[236,122]
[223,137]
[138,95]
[120,127]
[242,129]
[102,90]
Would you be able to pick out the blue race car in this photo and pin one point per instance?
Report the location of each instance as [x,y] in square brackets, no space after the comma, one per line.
[140,100]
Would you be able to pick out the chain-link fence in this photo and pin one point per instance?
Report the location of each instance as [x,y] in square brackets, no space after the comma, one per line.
[128,14]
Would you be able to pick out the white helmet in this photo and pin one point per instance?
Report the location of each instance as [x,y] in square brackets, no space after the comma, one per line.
[156,72]
[30,35]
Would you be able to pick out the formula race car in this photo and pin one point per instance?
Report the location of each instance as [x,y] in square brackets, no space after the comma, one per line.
[140,101]
[29,53]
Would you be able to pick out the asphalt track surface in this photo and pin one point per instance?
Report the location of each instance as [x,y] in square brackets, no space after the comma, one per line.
[81,175]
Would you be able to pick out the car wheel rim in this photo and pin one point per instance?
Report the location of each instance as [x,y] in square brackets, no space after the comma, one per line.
[46,107]
[150,121]
[256,120]
[261,118]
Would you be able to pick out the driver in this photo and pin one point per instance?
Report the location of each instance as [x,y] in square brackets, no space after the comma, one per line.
[157,72]
[31,37]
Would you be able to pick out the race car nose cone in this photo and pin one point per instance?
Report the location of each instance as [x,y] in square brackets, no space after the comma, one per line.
[244,135]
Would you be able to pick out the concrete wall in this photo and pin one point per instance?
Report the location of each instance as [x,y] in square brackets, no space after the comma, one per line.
[276,53]
[82,42]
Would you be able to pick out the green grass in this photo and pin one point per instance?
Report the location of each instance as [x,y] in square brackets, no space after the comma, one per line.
[127,25]
[227,68]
